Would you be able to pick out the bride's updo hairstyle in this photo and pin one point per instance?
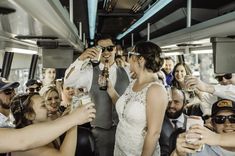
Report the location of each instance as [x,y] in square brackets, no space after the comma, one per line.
[151,53]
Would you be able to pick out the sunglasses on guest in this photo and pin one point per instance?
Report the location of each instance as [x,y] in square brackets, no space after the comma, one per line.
[108,48]
[8,91]
[220,119]
[226,76]
[130,53]
[33,90]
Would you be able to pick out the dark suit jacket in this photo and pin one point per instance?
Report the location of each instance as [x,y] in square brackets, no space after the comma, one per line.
[167,130]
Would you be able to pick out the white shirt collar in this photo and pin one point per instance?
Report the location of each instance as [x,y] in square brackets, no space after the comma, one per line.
[113,66]
[3,118]
[180,120]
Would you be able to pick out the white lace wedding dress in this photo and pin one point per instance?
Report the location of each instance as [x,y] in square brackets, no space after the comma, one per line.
[131,129]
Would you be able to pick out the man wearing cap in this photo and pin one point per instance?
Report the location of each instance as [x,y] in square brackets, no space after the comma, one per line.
[6,94]
[223,122]
[33,86]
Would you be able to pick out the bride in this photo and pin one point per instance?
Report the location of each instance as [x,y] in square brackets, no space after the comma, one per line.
[142,107]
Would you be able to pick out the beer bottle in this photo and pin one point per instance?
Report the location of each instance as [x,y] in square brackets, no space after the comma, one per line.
[103,82]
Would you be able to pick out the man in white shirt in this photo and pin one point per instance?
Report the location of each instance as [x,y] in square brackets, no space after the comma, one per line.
[82,75]
[225,90]
[6,94]
[210,93]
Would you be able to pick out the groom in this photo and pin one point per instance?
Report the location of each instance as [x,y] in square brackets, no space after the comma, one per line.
[104,125]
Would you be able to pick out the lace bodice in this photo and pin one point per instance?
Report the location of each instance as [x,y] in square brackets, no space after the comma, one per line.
[132,126]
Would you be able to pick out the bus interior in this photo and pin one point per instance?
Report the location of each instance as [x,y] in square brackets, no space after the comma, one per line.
[36,34]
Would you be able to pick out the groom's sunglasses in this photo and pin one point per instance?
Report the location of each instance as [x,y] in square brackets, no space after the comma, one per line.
[108,48]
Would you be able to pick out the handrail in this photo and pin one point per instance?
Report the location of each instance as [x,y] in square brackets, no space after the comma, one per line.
[220,26]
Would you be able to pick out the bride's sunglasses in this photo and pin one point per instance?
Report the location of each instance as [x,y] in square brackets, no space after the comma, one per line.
[8,91]
[130,53]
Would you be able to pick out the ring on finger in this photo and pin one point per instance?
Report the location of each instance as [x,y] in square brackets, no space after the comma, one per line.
[201,137]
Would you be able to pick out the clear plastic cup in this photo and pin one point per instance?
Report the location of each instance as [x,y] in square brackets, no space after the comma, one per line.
[96,59]
[85,99]
[76,101]
[188,88]
[192,138]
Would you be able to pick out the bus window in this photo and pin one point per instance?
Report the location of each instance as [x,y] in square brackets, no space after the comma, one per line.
[20,70]
[1,58]
[201,65]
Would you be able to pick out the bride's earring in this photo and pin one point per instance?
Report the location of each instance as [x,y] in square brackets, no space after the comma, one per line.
[140,60]
[139,64]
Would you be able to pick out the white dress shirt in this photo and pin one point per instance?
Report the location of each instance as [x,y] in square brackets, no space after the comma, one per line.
[221,91]
[207,101]
[81,77]
[6,122]
[225,91]
[180,121]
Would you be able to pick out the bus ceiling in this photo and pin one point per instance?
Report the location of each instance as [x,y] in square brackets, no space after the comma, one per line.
[43,23]
[47,24]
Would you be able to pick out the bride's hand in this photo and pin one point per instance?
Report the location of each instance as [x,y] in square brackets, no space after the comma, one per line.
[110,88]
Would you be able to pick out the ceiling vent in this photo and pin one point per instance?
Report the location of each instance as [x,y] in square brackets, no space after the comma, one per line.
[188,45]
[48,44]
[5,11]
[23,37]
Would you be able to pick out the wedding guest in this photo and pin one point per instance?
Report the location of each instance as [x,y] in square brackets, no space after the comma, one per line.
[49,76]
[167,69]
[223,122]
[7,92]
[52,101]
[28,109]
[24,138]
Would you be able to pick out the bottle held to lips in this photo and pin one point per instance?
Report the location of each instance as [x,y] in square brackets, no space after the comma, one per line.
[103,82]
[96,59]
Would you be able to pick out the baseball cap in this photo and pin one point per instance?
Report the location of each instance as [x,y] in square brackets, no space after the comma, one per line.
[4,84]
[31,82]
[223,104]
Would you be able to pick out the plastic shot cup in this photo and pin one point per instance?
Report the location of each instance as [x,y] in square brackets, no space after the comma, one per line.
[96,59]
